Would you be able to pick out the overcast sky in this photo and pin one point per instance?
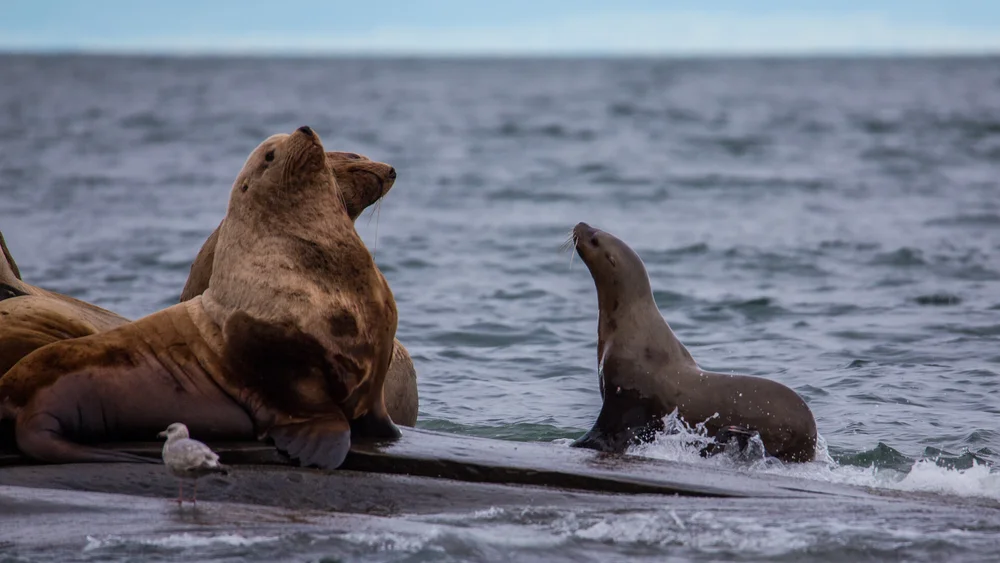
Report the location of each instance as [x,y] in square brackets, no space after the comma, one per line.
[528,27]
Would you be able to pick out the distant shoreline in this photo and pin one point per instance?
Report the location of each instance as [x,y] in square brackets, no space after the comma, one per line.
[498,56]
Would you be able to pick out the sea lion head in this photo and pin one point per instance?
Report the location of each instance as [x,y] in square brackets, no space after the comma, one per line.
[284,200]
[362,181]
[618,272]
[284,174]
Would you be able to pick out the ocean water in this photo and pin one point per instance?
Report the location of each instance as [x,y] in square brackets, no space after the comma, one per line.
[831,224]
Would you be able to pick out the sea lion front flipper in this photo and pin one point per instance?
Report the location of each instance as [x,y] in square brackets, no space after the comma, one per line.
[375,424]
[322,441]
[626,419]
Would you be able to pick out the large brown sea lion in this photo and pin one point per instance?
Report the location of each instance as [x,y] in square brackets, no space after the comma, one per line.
[363,182]
[31,317]
[291,340]
[645,372]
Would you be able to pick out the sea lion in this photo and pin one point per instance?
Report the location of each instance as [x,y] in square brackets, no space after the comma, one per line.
[645,372]
[363,182]
[31,317]
[291,341]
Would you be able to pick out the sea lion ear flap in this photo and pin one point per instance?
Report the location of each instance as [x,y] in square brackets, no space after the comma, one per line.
[10,262]
[322,442]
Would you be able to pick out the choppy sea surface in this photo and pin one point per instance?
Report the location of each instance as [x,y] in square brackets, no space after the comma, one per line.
[831,224]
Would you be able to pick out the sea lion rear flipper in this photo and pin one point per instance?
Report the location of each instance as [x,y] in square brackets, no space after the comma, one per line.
[737,439]
[323,442]
[37,439]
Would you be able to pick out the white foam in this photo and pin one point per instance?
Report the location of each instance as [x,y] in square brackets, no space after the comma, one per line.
[178,541]
[704,531]
[392,542]
[682,442]
[497,534]
[977,480]
[491,512]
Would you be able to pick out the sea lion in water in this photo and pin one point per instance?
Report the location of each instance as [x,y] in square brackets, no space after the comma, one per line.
[291,340]
[31,317]
[645,372]
[362,182]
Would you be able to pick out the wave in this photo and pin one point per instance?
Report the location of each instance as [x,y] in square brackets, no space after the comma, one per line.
[178,541]
[882,468]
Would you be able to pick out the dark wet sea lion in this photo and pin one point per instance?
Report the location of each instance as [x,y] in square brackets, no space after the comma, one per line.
[291,340]
[645,372]
[362,182]
[31,317]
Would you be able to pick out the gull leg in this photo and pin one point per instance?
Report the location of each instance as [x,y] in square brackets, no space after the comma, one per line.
[180,492]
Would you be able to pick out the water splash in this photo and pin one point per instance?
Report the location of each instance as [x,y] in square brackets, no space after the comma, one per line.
[683,442]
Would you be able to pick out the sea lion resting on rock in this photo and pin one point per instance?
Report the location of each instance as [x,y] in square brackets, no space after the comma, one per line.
[645,372]
[39,317]
[362,182]
[31,317]
[291,340]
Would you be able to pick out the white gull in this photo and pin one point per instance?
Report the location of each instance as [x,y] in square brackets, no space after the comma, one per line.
[188,459]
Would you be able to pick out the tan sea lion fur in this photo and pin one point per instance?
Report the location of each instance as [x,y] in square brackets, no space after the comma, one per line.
[362,182]
[291,340]
[645,372]
[31,317]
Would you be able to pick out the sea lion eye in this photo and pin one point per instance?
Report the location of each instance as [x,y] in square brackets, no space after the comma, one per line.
[269,156]
[244,187]
[594,241]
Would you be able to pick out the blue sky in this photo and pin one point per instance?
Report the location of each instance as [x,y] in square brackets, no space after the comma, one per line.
[504,27]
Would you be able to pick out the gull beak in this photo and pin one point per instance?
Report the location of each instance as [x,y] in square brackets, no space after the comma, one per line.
[162,434]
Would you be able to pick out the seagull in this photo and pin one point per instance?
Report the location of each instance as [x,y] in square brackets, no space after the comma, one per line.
[188,459]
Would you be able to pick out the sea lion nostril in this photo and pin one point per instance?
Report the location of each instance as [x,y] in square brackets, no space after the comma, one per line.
[392,173]
[306,129]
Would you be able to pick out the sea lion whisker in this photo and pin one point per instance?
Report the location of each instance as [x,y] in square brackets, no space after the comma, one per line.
[343,199]
[568,245]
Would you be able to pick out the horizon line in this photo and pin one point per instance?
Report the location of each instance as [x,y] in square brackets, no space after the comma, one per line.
[908,53]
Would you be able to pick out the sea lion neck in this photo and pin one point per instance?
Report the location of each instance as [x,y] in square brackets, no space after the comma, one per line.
[629,317]
[623,315]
